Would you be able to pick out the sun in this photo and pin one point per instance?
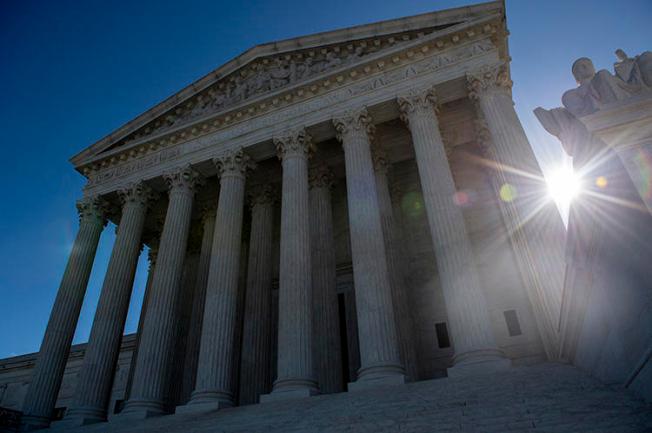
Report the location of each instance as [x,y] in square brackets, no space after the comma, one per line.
[563,186]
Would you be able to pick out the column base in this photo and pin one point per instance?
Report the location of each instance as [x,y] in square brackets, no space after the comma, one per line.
[81,416]
[141,409]
[478,363]
[291,389]
[34,422]
[363,384]
[199,407]
[206,401]
[380,375]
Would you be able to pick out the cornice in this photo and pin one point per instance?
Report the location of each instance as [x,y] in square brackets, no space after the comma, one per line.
[378,62]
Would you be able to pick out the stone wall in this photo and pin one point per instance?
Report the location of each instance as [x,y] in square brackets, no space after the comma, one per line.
[15,376]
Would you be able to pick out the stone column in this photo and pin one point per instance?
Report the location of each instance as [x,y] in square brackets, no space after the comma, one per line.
[194,327]
[98,368]
[535,226]
[178,393]
[53,355]
[295,370]
[466,306]
[151,381]
[326,326]
[402,313]
[215,367]
[151,258]
[256,339]
[379,350]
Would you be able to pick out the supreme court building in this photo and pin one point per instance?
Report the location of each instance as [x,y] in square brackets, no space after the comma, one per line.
[338,213]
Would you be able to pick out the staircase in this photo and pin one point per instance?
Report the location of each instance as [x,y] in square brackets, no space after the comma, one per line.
[543,398]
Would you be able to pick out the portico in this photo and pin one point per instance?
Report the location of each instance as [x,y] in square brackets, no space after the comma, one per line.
[297,128]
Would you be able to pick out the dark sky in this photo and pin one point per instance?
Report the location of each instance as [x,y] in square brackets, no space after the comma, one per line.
[72,71]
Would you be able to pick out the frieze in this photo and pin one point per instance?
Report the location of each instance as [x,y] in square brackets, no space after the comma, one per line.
[387,76]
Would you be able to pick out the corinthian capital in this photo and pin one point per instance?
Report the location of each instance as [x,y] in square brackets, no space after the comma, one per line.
[263,195]
[234,162]
[417,101]
[294,143]
[483,134]
[138,193]
[488,79]
[352,122]
[379,158]
[321,176]
[92,208]
[183,179]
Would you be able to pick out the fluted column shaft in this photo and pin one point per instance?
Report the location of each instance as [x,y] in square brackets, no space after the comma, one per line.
[53,355]
[98,368]
[536,230]
[466,307]
[194,327]
[295,365]
[215,368]
[379,350]
[326,326]
[402,313]
[179,393]
[151,257]
[256,338]
[151,381]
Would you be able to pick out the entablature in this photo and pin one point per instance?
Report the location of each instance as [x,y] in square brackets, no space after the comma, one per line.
[376,89]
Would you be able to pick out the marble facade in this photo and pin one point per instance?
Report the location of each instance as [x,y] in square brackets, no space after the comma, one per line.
[318,222]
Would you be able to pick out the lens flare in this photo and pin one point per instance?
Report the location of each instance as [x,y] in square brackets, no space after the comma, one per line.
[563,186]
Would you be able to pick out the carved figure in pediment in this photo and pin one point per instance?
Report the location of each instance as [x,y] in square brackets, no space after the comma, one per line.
[217,98]
[305,69]
[280,74]
[355,55]
[594,89]
[258,82]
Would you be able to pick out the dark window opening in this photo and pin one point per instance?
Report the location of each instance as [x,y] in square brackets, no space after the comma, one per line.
[513,326]
[442,335]
[344,341]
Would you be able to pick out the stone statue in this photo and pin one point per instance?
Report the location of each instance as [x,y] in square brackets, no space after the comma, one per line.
[636,71]
[609,226]
[594,89]
[280,74]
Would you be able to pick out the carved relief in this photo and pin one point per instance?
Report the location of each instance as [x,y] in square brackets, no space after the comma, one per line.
[266,75]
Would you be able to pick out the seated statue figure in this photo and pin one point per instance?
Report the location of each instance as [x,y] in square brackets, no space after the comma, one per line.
[594,89]
[636,71]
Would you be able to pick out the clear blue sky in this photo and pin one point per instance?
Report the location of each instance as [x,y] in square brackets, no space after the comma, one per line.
[73,71]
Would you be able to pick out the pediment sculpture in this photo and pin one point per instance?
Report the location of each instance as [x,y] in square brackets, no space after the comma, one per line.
[266,75]
[597,89]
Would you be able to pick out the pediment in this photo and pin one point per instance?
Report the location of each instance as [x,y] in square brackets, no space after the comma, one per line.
[268,69]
